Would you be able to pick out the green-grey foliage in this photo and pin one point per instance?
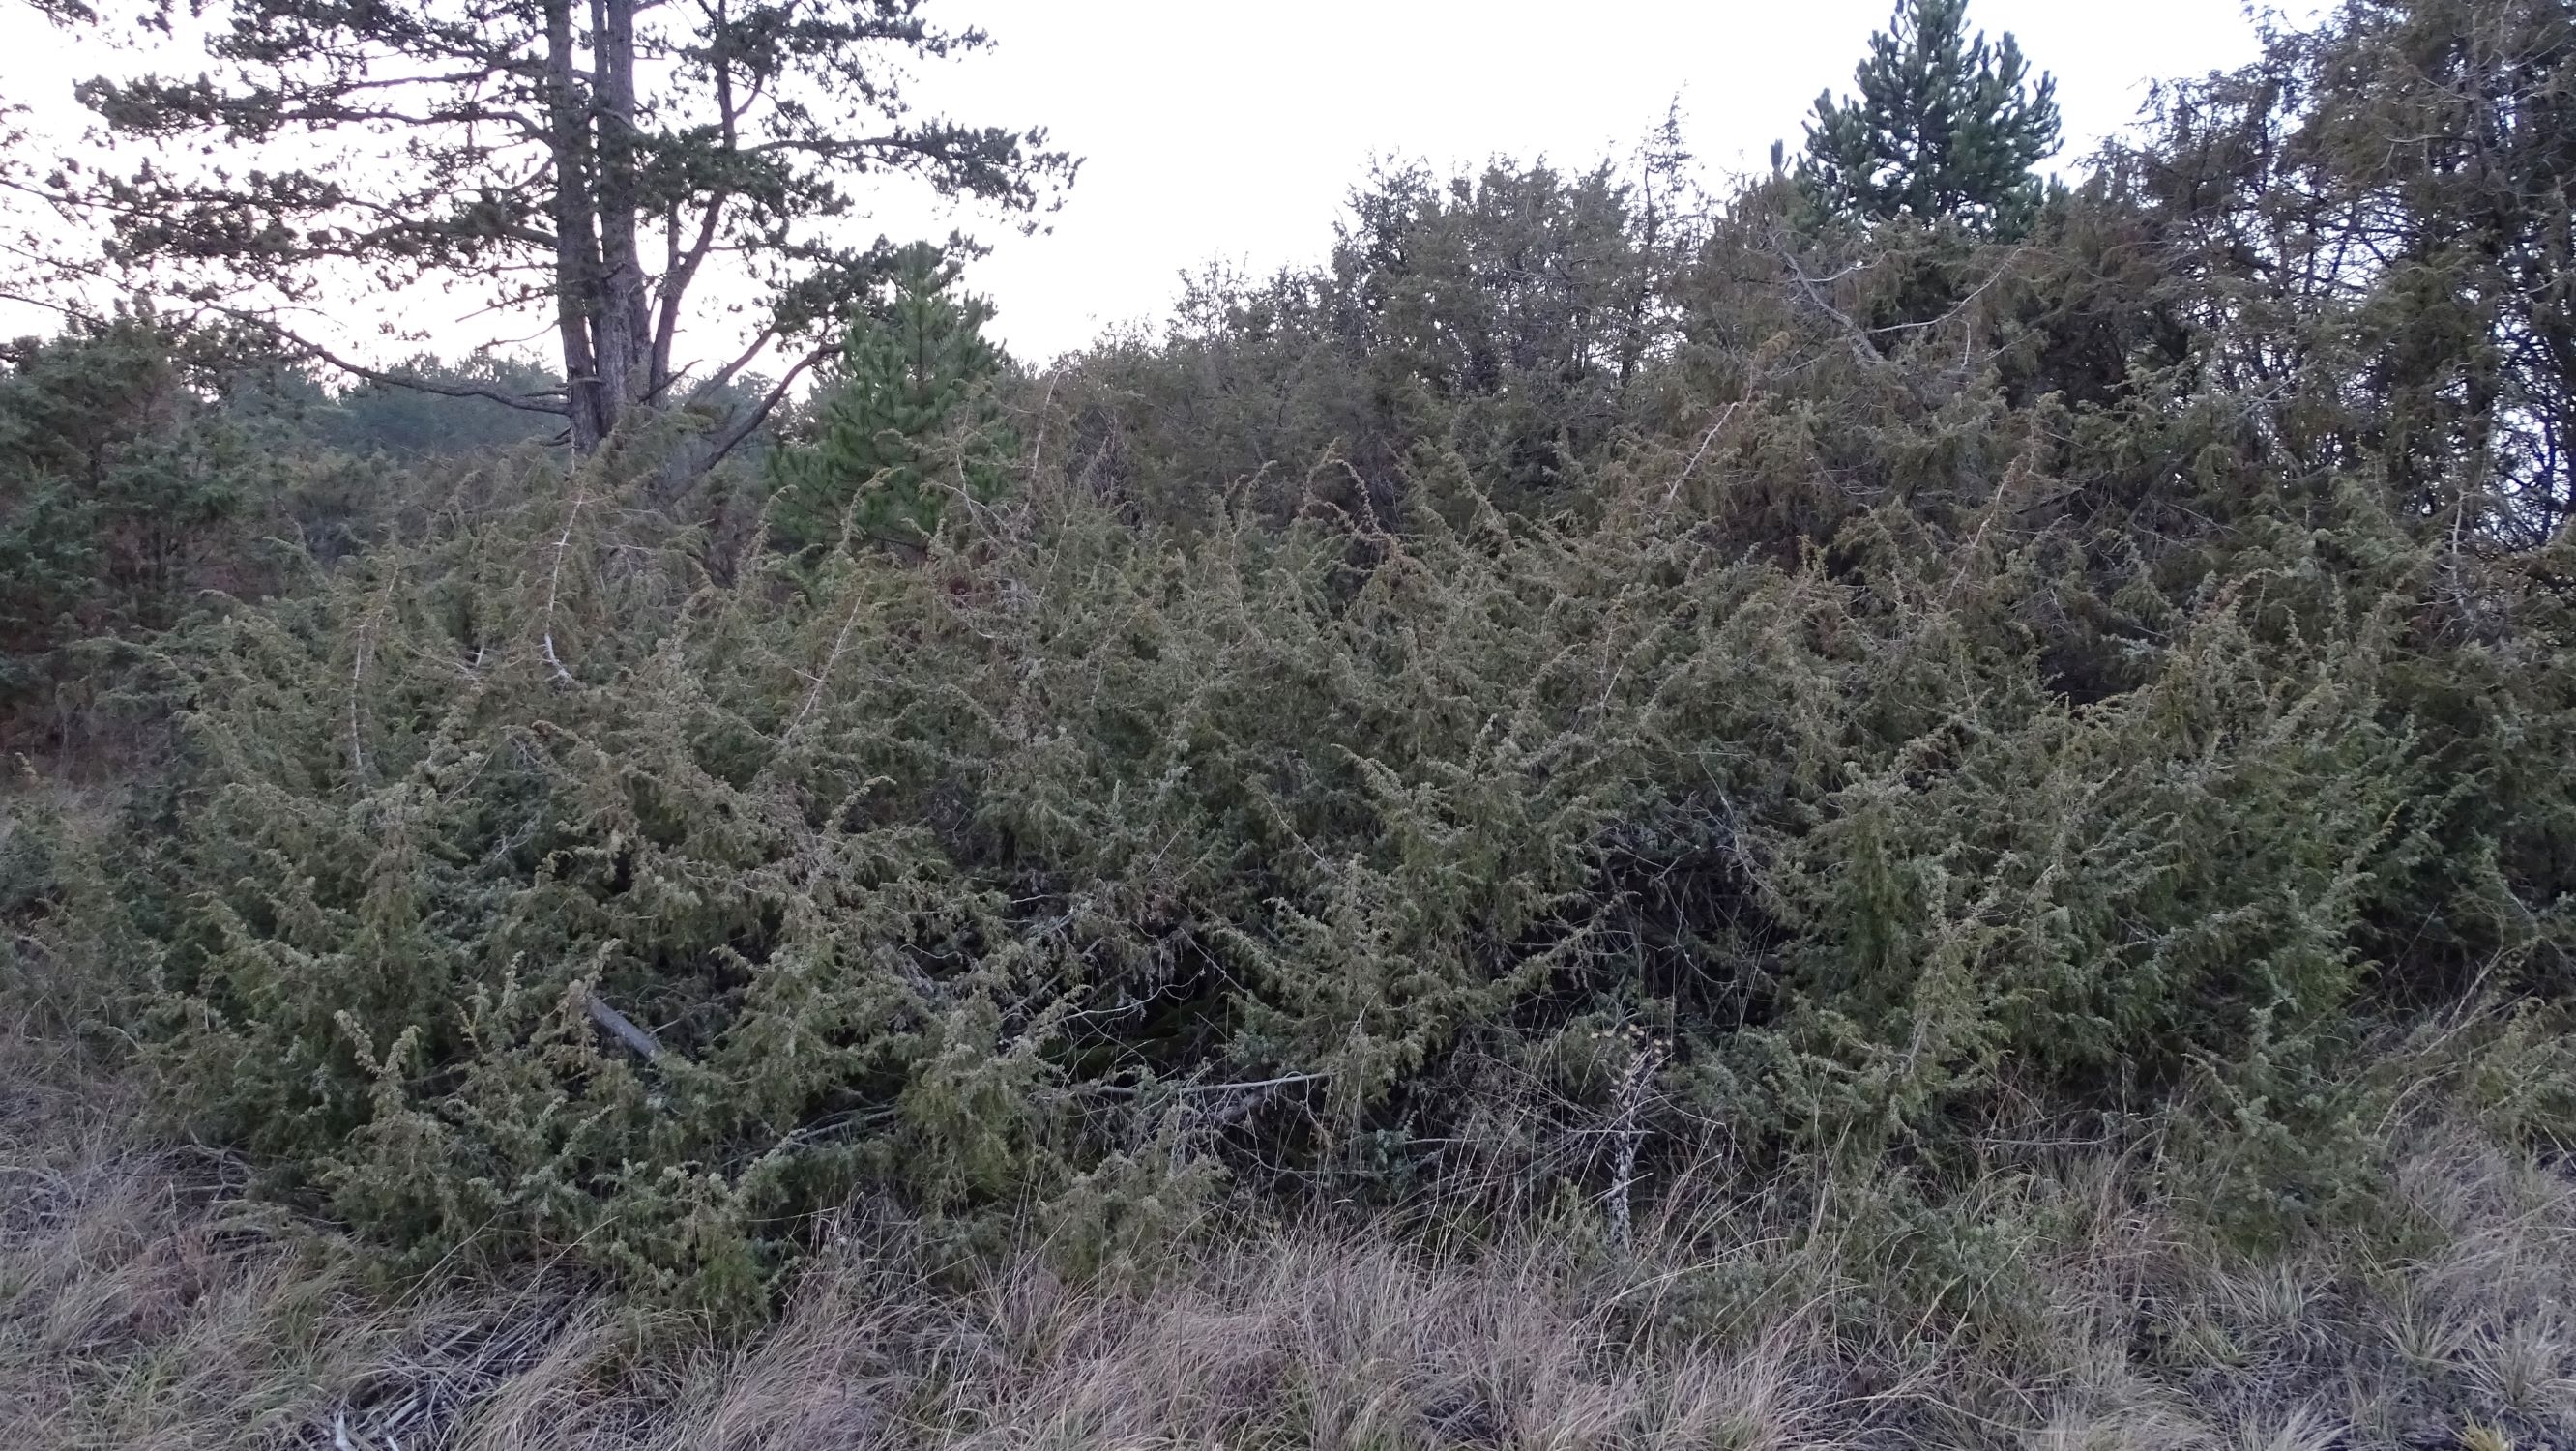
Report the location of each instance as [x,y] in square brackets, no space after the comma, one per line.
[136,482]
[954,880]
[398,418]
[1509,320]
[1840,739]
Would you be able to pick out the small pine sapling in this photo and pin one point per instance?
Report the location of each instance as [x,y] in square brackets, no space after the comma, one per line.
[909,420]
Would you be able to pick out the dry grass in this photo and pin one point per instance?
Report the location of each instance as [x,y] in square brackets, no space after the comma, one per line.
[143,1303]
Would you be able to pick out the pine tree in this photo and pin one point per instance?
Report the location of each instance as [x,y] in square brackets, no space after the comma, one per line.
[1945,126]
[909,418]
[604,163]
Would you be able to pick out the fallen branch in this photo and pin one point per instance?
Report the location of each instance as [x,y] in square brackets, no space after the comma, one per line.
[1122,1090]
[619,1026]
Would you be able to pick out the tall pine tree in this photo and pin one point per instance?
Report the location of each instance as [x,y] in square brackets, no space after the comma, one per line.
[1945,127]
[610,164]
[908,420]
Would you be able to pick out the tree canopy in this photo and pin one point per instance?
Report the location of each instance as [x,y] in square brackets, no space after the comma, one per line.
[596,163]
[1945,126]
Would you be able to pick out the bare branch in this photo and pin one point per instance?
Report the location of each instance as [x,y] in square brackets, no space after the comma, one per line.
[751,421]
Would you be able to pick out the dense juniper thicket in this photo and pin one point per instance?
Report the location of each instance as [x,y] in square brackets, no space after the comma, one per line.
[1583,683]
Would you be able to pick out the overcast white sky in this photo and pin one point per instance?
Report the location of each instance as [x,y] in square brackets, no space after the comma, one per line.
[1218,130]
[1231,130]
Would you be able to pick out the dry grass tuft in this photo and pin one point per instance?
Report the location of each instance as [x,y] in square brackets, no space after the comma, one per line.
[144,1303]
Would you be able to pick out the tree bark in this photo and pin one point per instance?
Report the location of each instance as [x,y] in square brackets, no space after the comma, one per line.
[621,328]
[576,259]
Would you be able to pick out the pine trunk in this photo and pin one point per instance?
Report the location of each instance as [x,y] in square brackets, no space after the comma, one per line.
[576,255]
[620,327]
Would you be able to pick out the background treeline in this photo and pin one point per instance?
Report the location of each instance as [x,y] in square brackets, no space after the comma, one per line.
[153,468]
[1591,697]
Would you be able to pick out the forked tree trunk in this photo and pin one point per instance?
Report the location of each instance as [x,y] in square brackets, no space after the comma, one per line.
[621,326]
[575,258]
[602,313]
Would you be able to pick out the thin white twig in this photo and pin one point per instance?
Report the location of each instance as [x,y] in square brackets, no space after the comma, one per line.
[554,584]
[1702,451]
[814,696]
[1122,1090]
[1633,1086]
[357,741]
[358,679]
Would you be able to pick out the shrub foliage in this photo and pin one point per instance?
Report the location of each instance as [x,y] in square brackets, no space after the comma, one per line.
[2077,700]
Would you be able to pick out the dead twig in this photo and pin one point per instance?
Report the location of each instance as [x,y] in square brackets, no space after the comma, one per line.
[621,1027]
